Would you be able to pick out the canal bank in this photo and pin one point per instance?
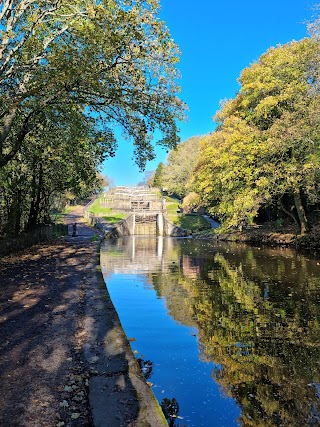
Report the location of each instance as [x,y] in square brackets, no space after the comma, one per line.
[268,236]
[64,358]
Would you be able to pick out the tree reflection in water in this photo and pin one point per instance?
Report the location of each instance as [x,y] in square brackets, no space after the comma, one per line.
[170,408]
[258,326]
[146,367]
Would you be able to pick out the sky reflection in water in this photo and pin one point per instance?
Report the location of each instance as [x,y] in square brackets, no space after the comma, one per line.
[230,331]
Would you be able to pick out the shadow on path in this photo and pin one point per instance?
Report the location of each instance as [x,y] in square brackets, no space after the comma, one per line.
[63,355]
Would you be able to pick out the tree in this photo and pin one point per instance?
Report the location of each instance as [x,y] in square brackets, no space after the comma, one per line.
[158,176]
[113,59]
[190,202]
[266,148]
[176,176]
[70,72]
[105,182]
[63,158]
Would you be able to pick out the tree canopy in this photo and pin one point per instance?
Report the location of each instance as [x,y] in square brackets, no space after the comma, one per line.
[114,59]
[266,146]
[69,68]
[176,175]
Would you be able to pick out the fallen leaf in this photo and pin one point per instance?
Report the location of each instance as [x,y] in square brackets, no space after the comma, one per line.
[75,415]
[64,404]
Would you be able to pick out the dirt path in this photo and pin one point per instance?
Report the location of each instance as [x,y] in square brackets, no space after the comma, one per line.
[64,359]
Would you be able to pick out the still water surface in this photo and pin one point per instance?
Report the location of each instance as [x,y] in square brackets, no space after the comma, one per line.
[231,332]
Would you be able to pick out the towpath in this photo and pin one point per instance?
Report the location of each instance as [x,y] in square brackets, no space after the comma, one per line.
[64,359]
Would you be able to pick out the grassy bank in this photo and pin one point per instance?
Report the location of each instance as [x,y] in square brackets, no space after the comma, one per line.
[191,222]
[106,213]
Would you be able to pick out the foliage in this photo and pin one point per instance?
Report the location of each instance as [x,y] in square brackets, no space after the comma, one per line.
[190,202]
[33,183]
[70,73]
[176,175]
[266,147]
[115,60]
[158,176]
[105,182]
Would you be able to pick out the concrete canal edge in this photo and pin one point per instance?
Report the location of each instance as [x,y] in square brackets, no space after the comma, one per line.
[118,393]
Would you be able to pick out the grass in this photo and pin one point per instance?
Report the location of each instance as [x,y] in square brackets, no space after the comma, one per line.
[190,222]
[106,213]
[114,217]
[173,208]
[95,208]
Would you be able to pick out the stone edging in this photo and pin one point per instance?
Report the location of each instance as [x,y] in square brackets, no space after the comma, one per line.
[117,388]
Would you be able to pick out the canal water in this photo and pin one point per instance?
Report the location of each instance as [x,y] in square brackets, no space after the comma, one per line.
[226,334]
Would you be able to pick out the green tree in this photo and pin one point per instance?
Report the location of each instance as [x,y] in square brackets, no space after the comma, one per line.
[177,174]
[63,156]
[113,59]
[70,73]
[158,176]
[266,148]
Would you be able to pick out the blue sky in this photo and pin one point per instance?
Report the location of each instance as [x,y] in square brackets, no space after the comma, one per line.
[217,40]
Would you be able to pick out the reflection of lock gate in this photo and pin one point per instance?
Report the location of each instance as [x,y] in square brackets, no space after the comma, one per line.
[141,254]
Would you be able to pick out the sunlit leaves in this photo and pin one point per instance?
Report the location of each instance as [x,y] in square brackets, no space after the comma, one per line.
[73,72]
[176,175]
[267,142]
[115,60]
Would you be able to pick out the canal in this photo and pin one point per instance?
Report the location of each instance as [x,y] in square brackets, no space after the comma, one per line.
[226,334]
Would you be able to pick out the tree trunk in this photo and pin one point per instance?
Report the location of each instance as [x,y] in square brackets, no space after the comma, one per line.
[288,212]
[18,213]
[7,125]
[30,223]
[304,226]
[35,201]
